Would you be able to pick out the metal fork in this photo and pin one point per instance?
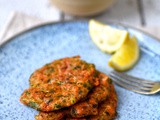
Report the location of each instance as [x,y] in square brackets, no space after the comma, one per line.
[135,84]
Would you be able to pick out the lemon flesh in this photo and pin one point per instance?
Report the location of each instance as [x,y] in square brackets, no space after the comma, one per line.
[126,57]
[108,39]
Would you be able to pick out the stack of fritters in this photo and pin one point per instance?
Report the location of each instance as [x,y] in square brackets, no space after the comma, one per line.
[71,89]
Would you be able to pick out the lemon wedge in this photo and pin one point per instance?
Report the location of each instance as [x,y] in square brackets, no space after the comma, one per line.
[108,39]
[126,57]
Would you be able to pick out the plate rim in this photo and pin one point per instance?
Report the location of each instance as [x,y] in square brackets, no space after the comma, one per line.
[77,20]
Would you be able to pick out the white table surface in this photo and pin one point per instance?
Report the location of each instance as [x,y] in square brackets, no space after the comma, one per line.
[131,12]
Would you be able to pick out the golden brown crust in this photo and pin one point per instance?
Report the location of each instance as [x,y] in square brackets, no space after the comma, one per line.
[64,70]
[91,108]
[60,84]
[107,109]
[71,89]
[96,96]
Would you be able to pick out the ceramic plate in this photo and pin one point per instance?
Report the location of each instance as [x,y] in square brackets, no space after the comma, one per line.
[30,50]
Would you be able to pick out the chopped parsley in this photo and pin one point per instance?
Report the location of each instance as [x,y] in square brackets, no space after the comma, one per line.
[33,104]
[58,106]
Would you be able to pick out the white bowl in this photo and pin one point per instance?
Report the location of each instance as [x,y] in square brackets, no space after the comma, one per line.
[82,7]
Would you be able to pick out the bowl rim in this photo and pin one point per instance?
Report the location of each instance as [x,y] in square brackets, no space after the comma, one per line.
[81,2]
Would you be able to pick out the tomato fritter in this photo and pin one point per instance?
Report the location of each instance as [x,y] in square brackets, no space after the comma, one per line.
[90,105]
[60,84]
[107,109]
[53,98]
[71,89]
[64,70]
[96,96]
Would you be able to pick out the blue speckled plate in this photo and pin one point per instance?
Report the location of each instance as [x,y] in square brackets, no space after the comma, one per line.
[24,53]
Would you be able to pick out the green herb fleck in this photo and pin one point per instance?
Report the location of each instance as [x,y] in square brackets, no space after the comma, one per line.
[59,82]
[49,70]
[33,104]
[80,92]
[84,84]
[47,64]
[87,85]
[59,96]
[73,100]
[27,93]
[58,106]
[48,101]
[110,81]
[76,67]
[51,91]
[90,87]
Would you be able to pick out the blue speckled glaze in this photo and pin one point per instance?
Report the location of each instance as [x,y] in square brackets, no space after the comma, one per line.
[27,52]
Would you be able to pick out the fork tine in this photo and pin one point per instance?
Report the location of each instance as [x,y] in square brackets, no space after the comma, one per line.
[131,84]
[127,86]
[145,83]
[131,81]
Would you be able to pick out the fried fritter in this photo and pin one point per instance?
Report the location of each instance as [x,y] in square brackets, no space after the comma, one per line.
[89,106]
[96,96]
[60,84]
[64,70]
[107,109]
[53,99]
[71,89]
